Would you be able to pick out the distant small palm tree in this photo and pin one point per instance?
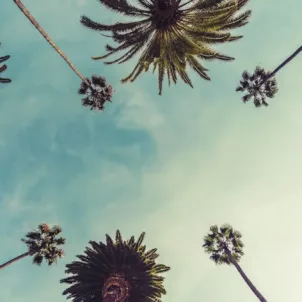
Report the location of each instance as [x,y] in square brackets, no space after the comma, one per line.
[42,245]
[3,68]
[96,94]
[262,84]
[96,97]
[116,272]
[225,246]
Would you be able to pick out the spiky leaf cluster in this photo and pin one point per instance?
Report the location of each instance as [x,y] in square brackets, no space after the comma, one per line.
[3,68]
[171,35]
[42,244]
[97,93]
[258,85]
[222,242]
[104,260]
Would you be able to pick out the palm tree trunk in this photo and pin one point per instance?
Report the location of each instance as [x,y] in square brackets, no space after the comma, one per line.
[244,276]
[248,281]
[282,64]
[14,260]
[48,39]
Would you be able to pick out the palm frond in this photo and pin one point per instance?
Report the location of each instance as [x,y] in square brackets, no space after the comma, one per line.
[173,41]
[3,68]
[122,263]
[122,27]
[123,7]
[37,259]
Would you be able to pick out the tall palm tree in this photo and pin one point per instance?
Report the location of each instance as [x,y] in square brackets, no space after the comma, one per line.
[171,34]
[42,245]
[3,68]
[262,84]
[225,246]
[117,271]
[96,90]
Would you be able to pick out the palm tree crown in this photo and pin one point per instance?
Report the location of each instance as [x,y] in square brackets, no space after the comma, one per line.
[96,93]
[116,271]
[42,244]
[3,68]
[225,247]
[223,244]
[259,85]
[171,34]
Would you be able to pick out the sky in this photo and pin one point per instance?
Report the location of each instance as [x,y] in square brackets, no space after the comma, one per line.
[169,165]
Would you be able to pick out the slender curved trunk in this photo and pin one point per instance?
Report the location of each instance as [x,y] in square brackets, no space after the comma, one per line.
[14,260]
[248,281]
[244,276]
[282,64]
[48,39]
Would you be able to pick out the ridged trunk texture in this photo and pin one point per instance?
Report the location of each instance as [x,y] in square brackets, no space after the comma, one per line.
[14,260]
[48,39]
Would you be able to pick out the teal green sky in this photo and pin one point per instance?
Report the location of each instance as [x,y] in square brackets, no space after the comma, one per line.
[170,166]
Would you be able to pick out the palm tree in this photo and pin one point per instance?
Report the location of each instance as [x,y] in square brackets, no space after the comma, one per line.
[116,272]
[3,68]
[259,85]
[225,246]
[262,84]
[171,34]
[42,245]
[96,94]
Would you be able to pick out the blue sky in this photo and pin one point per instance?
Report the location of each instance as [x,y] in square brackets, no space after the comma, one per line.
[170,165]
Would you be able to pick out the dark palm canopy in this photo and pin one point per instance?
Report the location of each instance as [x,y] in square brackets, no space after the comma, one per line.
[42,244]
[116,271]
[222,243]
[259,86]
[171,34]
[97,93]
[3,68]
